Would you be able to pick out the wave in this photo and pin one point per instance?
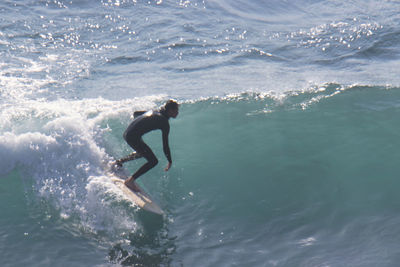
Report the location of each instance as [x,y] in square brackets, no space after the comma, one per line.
[299,168]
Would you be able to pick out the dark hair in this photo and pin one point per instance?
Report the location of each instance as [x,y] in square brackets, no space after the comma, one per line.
[171,104]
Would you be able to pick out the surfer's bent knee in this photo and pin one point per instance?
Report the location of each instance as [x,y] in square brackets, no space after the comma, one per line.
[153,161]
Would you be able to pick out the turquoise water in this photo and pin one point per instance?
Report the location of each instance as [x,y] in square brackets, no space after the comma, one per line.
[285,152]
[307,180]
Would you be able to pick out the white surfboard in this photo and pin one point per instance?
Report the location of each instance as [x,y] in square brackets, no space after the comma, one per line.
[141,198]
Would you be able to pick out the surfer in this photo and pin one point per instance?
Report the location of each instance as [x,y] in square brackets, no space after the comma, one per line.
[143,123]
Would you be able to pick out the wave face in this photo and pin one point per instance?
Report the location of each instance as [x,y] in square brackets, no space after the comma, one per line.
[306,181]
[260,179]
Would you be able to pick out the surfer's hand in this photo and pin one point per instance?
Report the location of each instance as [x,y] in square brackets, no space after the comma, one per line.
[168,166]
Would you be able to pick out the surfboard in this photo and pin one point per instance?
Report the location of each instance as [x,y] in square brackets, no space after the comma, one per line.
[140,199]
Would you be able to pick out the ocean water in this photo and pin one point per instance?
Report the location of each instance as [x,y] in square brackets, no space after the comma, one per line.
[285,151]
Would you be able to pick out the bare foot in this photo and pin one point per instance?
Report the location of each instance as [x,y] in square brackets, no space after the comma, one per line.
[118,164]
[132,186]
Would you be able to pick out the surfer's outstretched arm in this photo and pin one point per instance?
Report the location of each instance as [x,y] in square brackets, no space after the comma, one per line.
[166,149]
[130,157]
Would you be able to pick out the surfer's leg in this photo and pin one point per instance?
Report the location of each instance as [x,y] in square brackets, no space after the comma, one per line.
[133,141]
[132,156]
[152,161]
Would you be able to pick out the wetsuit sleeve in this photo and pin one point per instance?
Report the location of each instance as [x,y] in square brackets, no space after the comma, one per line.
[138,113]
[167,151]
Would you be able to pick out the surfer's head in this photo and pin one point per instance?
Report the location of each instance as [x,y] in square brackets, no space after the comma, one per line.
[171,108]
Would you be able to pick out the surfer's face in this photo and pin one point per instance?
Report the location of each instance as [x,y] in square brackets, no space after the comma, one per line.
[173,113]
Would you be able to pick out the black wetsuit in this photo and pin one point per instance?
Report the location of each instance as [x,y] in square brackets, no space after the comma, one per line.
[142,124]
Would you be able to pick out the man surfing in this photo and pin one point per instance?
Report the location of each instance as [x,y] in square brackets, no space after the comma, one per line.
[143,123]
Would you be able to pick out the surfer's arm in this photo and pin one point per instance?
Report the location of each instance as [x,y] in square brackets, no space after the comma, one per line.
[138,113]
[167,151]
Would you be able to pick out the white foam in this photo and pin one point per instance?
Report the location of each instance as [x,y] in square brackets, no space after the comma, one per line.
[58,145]
[24,149]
